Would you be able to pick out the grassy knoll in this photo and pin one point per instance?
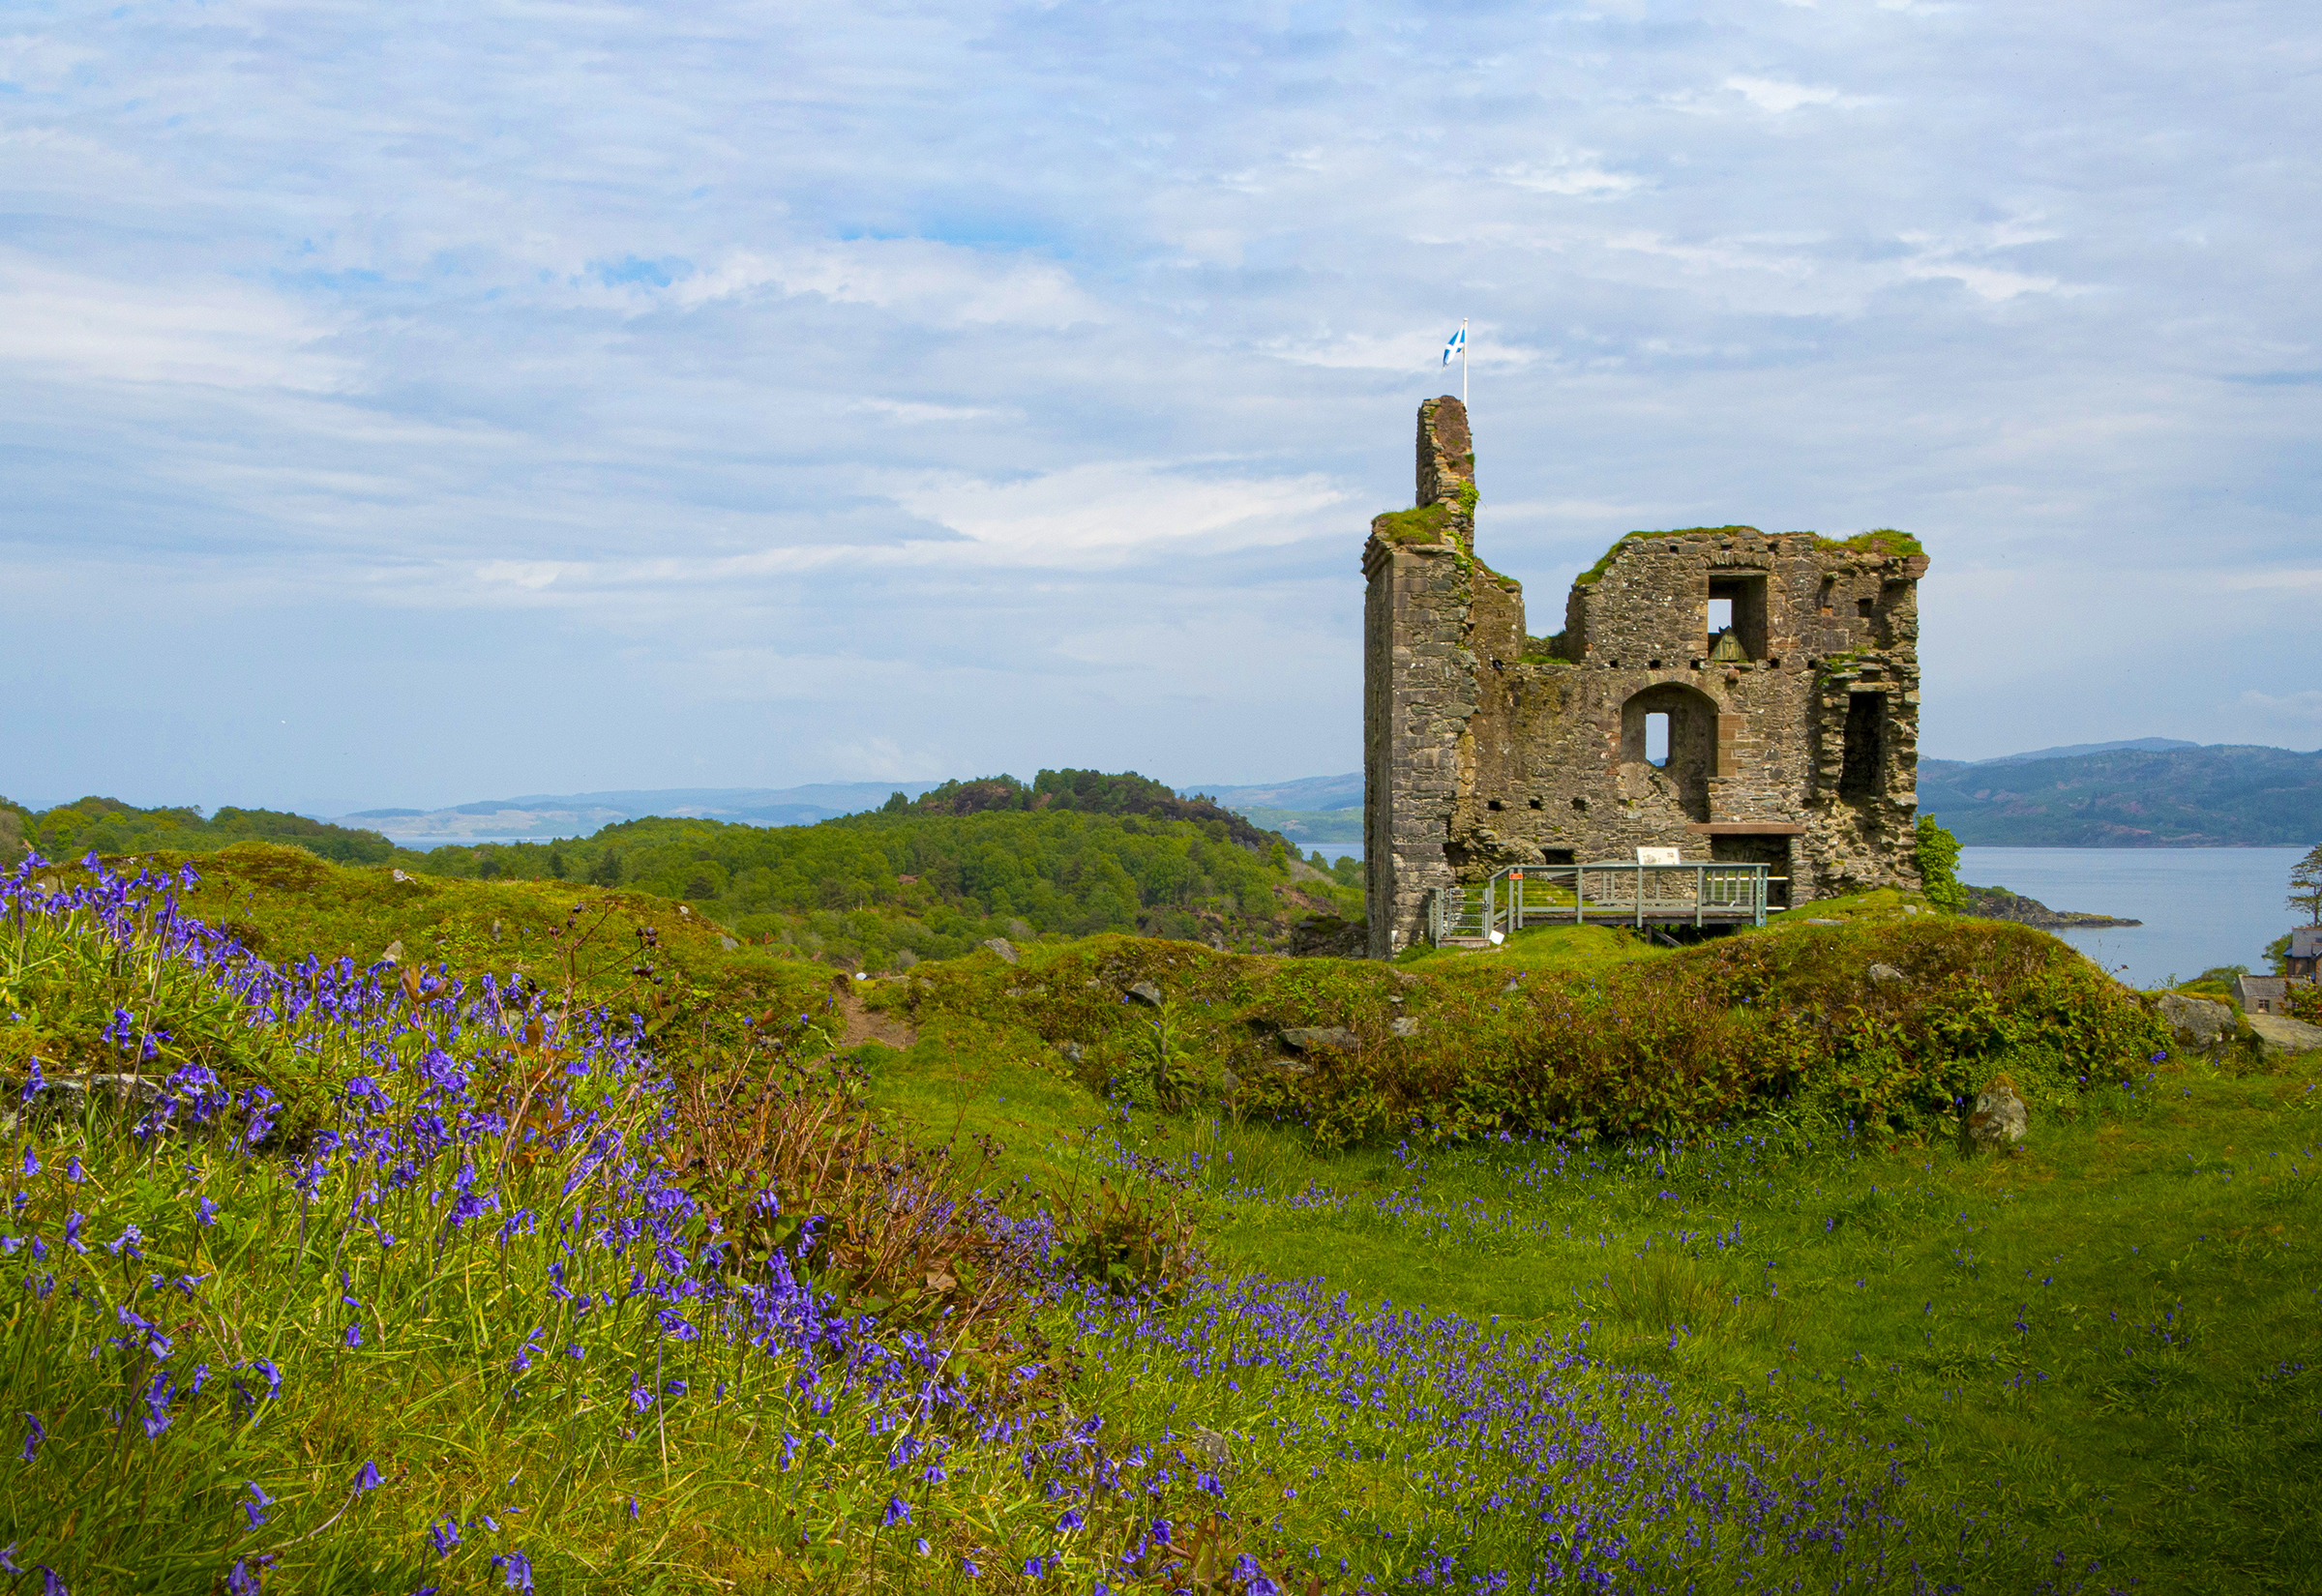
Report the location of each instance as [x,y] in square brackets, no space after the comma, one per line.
[614,1292]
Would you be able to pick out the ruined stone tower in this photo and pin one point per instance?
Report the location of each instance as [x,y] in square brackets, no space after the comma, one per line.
[1791,727]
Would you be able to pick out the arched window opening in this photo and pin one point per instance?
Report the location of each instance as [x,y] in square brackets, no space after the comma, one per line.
[1669,743]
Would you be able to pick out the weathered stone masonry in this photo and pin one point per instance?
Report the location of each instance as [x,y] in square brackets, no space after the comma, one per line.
[1793,734]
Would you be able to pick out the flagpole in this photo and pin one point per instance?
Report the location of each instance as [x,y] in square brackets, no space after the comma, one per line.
[1463,362]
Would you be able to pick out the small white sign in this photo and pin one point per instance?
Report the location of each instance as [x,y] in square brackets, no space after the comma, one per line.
[1498,938]
[1659,856]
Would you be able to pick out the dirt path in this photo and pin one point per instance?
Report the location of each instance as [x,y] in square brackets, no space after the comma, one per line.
[863,1025]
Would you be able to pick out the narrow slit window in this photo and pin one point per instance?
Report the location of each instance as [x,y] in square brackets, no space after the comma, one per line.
[1657,739]
[1864,768]
[1722,615]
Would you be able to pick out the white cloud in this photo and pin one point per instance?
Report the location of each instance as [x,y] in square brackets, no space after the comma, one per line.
[159,329]
[938,281]
[1771,93]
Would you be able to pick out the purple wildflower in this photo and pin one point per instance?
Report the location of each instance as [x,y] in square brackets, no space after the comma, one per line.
[898,1511]
[256,1508]
[367,1478]
[445,1534]
[35,1432]
[516,1570]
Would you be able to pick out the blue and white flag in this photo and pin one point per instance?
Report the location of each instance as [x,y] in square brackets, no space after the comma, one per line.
[1458,344]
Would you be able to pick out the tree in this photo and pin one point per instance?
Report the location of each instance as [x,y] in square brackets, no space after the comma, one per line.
[1938,865]
[2306,885]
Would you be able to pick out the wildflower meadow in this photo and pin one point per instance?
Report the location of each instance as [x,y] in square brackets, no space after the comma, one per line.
[336,1276]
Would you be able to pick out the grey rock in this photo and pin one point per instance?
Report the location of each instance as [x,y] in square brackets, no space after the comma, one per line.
[1513,984]
[1004,949]
[727,943]
[63,1097]
[1072,1051]
[1998,1120]
[1307,1038]
[1292,1067]
[1826,922]
[1145,992]
[1886,975]
[1213,1449]
[2196,1020]
[1228,1079]
[2279,1035]
[1404,1026]
[398,875]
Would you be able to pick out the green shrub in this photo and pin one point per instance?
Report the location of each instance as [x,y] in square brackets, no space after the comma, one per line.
[1938,859]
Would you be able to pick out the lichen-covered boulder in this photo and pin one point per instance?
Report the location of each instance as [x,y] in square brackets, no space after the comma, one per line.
[2279,1035]
[2197,1021]
[1998,1121]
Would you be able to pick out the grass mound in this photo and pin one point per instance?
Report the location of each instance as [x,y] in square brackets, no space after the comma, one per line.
[1886,1024]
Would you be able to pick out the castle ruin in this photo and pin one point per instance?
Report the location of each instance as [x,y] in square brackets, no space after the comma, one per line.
[1780,672]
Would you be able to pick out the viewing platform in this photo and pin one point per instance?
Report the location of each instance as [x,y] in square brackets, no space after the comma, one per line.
[1612,892]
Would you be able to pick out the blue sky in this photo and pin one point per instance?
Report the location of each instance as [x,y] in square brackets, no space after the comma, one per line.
[409,404]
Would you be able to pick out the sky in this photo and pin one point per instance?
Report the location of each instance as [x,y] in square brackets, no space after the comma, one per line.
[415,404]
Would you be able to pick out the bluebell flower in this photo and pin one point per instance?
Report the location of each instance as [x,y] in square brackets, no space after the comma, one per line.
[35,1432]
[516,1570]
[256,1508]
[367,1478]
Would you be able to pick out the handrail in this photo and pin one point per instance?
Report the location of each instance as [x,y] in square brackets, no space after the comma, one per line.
[1717,891]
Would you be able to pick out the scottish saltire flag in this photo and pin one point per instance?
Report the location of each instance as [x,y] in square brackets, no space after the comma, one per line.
[1459,342]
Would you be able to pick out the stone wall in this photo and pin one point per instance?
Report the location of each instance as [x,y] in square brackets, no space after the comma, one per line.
[1793,734]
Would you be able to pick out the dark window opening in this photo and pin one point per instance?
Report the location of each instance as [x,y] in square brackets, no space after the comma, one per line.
[1492,804]
[1535,803]
[1580,804]
[1863,768]
[1555,856]
[1864,607]
[1657,739]
[1653,665]
[1773,852]
[1742,600]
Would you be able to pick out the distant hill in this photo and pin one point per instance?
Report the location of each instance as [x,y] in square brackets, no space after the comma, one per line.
[2146,745]
[108,825]
[2129,796]
[1311,810]
[1311,794]
[546,815]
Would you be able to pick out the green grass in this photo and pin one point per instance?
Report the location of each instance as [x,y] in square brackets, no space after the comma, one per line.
[2097,1362]
[2116,1334]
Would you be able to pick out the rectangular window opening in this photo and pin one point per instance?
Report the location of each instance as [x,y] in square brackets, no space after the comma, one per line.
[1864,771]
[1737,605]
[1656,738]
[1865,608]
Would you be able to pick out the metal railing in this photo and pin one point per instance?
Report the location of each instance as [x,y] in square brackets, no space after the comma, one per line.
[1612,889]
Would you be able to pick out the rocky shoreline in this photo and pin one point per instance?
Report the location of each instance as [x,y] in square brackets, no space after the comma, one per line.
[1999,903]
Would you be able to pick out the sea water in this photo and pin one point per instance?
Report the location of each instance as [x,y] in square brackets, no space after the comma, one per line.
[2201,907]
